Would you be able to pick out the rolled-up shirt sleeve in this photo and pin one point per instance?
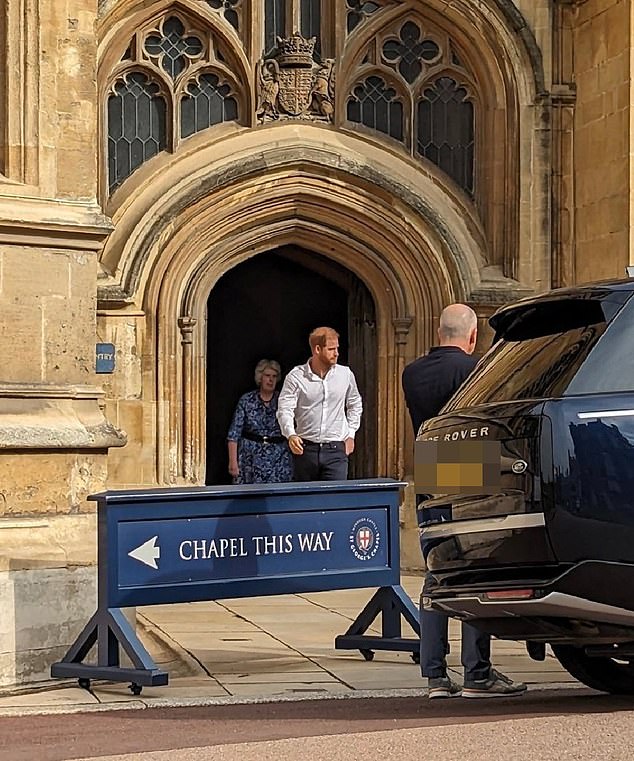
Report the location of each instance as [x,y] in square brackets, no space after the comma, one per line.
[286,406]
[354,406]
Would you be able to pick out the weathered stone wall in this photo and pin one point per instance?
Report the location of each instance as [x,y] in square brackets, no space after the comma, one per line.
[602,174]
[54,437]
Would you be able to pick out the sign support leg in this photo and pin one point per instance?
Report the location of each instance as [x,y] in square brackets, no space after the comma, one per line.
[110,630]
[393,604]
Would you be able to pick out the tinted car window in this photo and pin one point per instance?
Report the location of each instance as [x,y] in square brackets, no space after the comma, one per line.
[610,366]
[549,350]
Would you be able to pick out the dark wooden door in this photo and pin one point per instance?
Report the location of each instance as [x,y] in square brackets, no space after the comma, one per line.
[362,357]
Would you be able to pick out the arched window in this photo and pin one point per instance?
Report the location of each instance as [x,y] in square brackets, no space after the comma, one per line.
[429,107]
[376,105]
[444,132]
[137,125]
[206,102]
[173,81]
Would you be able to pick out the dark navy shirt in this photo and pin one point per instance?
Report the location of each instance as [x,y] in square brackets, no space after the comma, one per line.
[430,381]
[428,384]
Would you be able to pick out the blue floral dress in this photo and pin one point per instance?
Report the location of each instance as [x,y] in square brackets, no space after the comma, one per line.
[259,462]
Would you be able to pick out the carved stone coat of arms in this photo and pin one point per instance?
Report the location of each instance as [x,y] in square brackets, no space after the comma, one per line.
[292,85]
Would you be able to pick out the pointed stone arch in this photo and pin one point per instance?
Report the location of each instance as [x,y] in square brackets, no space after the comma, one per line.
[412,244]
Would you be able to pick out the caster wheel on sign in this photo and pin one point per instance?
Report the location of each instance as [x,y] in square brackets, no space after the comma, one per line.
[84,683]
[416,657]
[367,654]
[136,689]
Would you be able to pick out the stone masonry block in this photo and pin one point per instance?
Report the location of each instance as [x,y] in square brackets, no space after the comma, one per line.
[49,607]
[33,273]
[52,482]
[21,340]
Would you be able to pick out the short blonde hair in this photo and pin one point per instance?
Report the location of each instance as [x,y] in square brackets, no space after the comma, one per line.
[320,336]
[265,364]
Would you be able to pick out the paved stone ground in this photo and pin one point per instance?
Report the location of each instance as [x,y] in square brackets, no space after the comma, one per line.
[268,648]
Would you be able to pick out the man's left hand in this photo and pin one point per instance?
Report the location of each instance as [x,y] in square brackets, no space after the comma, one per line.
[349,446]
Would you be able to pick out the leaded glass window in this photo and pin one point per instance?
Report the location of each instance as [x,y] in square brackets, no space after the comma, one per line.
[283,18]
[137,125]
[445,130]
[375,105]
[274,22]
[358,11]
[205,103]
[171,48]
[428,104]
[409,52]
[230,9]
[310,21]
[174,79]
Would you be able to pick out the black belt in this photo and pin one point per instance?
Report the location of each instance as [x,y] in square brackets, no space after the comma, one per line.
[323,444]
[264,439]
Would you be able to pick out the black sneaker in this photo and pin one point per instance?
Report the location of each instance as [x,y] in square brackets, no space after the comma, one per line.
[496,686]
[443,687]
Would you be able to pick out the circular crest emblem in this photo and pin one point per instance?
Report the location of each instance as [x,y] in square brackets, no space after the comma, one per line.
[519,466]
[365,539]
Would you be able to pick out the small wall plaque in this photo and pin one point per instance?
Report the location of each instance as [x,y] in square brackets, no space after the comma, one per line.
[105,358]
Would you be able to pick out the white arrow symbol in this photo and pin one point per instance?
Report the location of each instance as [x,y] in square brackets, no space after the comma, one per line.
[147,553]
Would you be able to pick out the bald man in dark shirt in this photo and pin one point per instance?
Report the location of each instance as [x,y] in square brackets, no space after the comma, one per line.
[428,384]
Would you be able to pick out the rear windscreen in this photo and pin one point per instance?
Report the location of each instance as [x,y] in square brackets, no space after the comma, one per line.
[555,349]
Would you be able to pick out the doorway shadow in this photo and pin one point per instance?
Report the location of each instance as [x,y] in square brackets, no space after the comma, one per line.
[265,308]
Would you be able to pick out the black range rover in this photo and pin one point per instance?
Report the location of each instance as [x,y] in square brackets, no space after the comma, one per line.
[547,556]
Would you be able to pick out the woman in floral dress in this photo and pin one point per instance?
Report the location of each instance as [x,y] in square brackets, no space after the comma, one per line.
[258,453]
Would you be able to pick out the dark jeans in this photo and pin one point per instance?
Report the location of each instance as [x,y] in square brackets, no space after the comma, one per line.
[434,626]
[321,462]
[434,645]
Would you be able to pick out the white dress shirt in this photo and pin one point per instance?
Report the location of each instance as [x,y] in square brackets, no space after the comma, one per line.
[320,409]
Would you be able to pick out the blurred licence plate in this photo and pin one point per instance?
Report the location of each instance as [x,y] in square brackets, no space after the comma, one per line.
[457,467]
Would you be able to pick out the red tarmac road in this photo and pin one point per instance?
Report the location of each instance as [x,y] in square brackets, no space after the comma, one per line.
[62,737]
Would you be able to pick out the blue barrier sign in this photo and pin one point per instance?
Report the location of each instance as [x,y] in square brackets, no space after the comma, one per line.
[155,553]
[160,546]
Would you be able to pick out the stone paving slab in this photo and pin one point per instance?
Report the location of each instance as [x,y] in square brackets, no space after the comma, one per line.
[256,649]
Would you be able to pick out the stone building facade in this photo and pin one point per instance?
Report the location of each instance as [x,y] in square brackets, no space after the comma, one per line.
[199,182]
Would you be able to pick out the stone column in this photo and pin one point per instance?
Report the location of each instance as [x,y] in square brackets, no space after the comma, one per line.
[401,326]
[187,325]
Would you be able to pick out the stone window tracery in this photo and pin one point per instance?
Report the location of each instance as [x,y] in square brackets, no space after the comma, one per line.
[137,125]
[429,107]
[173,80]
[171,49]
[357,11]
[445,132]
[378,106]
[232,10]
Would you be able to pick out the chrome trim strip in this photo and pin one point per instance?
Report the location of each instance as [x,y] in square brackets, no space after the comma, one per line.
[605,413]
[557,604]
[478,525]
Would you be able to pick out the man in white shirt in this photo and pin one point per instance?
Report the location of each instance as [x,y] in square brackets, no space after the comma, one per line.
[319,411]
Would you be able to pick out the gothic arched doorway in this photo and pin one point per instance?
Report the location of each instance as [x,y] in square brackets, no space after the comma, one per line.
[266,307]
